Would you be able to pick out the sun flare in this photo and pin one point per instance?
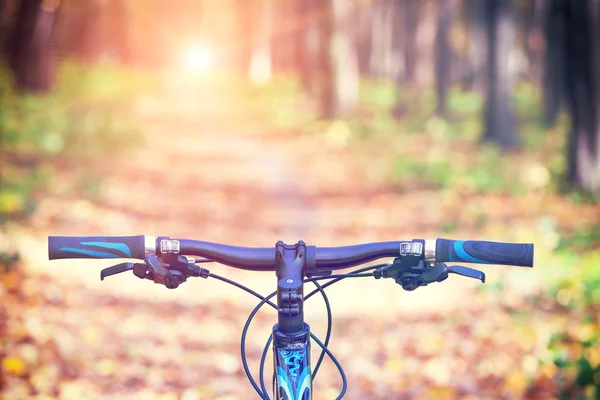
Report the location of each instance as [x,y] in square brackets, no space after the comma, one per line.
[198,58]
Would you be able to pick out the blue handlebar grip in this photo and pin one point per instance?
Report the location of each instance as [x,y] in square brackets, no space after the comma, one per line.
[480,252]
[96,247]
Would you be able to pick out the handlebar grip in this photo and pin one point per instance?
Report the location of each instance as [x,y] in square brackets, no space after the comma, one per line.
[476,251]
[96,247]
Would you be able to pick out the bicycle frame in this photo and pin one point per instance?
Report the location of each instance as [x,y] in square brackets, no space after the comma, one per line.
[292,378]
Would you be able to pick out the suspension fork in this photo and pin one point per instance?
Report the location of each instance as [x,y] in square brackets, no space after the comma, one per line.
[291,335]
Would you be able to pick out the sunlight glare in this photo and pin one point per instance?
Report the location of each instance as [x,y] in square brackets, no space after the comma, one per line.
[198,58]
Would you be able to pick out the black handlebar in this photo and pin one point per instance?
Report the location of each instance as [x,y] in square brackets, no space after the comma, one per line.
[263,258]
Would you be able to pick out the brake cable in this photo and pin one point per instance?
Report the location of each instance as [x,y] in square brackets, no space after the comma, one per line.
[262,392]
[245,361]
[321,356]
[336,278]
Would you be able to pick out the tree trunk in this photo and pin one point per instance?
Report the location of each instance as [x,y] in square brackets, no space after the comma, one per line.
[2,21]
[282,43]
[406,14]
[377,39]
[344,61]
[305,42]
[554,63]
[498,115]
[245,23]
[582,78]
[411,15]
[261,61]
[364,39]
[90,29]
[30,46]
[120,32]
[477,45]
[340,79]
[315,41]
[443,54]
[534,43]
[381,35]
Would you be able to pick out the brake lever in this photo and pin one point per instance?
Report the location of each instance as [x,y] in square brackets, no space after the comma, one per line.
[438,273]
[152,269]
[116,269]
[468,272]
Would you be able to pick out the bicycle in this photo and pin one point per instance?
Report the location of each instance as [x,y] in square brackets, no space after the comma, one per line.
[171,262]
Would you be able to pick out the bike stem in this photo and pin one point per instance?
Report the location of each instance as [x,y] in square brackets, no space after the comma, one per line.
[290,262]
[291,340]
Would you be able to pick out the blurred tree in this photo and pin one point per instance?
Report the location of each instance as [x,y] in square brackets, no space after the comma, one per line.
[303,37]
[443,53]
[409,17]
[30,45]
[282,49]
[261,60]
[117,14]
[582,82]
[554,65]
[3,8]
[477,44]
[90,25]
[406,21]
[363,40]
[312,42]
[381,38]
[498,114]
[325,85]
[339,95]
[290,27]
[245,21]
[534,21]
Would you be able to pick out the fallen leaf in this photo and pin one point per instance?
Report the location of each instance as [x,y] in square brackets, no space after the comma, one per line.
[13,365]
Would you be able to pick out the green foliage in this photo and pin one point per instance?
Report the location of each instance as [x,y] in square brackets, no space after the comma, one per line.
[488,171]
[464,102]
[576,289]
[584,239]
[382,95]
[88,115]
[8,261]
[576,359]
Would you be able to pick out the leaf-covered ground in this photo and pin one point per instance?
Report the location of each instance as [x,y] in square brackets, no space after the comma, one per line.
[205,174]
[69,342]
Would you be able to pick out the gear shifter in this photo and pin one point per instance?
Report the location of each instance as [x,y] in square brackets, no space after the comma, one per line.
[411,276]
[170,274]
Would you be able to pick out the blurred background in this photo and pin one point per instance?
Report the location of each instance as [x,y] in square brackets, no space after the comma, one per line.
[332,121]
